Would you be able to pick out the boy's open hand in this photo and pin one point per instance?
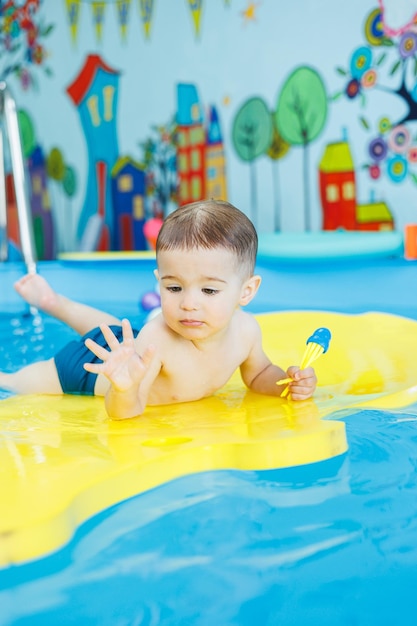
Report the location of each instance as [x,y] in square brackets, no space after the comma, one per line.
[304,382]
[122,365]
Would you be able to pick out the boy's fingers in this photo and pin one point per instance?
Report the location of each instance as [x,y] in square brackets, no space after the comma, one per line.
[292,371]
[127,331]
[96,349]
[94,368]
[109,336]
[299,375]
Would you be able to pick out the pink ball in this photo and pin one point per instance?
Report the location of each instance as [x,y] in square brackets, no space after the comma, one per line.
[151,229]
[150,300]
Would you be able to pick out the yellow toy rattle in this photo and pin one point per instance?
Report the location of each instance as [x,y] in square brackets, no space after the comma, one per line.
[317,345]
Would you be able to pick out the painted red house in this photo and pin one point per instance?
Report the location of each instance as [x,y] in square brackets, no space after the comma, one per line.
[338,187]
[191,147]
[374,216]
[338,195]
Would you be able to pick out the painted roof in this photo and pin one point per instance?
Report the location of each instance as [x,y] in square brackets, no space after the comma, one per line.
[375,212]
[82,83]
[337,158]
[214,133]
[188,105]
[123,162]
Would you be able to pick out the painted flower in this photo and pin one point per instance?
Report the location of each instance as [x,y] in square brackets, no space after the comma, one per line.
[360,61]
[353,88]
[374,28]
[412,154]
[11,27]
[408,45]
[21,32]
[369,79]
[378,149]
[397,168]
[384,125]
[374,171]
[399,139]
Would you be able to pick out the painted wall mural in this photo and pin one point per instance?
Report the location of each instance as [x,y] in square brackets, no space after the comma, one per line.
[184,164]
[217,107]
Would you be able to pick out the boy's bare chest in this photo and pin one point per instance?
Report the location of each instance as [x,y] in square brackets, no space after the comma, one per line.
[194,374]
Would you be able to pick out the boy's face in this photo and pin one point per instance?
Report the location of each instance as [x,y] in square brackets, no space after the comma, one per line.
[201,289]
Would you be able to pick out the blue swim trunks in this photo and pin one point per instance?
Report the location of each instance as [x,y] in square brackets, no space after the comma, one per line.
[70,359]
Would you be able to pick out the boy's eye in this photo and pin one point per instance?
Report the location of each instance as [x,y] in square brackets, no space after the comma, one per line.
[174,289]
[210,292]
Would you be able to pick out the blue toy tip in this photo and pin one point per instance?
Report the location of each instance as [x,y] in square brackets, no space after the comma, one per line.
[321,336]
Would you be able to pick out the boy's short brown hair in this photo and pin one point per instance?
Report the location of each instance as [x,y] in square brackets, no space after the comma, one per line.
[210,224]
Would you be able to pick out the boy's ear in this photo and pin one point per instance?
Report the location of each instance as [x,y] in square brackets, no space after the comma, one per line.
[156,274]
[249,289]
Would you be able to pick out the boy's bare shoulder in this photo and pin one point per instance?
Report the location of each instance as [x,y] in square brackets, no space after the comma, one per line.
[248,321]
[153,331]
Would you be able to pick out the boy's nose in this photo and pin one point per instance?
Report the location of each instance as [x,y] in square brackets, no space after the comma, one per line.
[188,302]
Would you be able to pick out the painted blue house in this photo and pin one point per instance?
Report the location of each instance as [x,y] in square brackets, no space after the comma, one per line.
[95,94]
[128,196]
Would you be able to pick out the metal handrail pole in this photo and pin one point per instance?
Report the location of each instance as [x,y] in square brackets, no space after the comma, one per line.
[3,205]
[16,154]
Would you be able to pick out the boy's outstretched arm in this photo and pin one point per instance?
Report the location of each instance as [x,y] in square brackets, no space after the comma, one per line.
[130,374]
[262,376]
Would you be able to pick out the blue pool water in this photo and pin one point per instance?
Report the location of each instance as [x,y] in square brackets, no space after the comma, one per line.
[329,544]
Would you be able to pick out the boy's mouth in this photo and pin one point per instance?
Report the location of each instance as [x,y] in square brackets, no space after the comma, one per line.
[191,323]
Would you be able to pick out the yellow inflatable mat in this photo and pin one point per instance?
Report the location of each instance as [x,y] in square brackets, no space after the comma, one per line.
[62,460]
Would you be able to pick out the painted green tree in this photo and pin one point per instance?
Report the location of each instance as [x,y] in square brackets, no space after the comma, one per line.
[300,117]
[277,151]
[251,136]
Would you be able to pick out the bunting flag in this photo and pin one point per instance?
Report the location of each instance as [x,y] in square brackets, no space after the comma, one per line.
[98,7]
[73,12]
[146,10]
[123,8]
[195,8]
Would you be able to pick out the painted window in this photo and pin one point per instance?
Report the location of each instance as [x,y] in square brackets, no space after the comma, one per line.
[332,193]
[348,190]
[138,212]
[195,160]
[184,189]
[183,163]
[182,139]
[197,136]
[92,105]
[195,112]
[108,95]
[125,183]
[195,188]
